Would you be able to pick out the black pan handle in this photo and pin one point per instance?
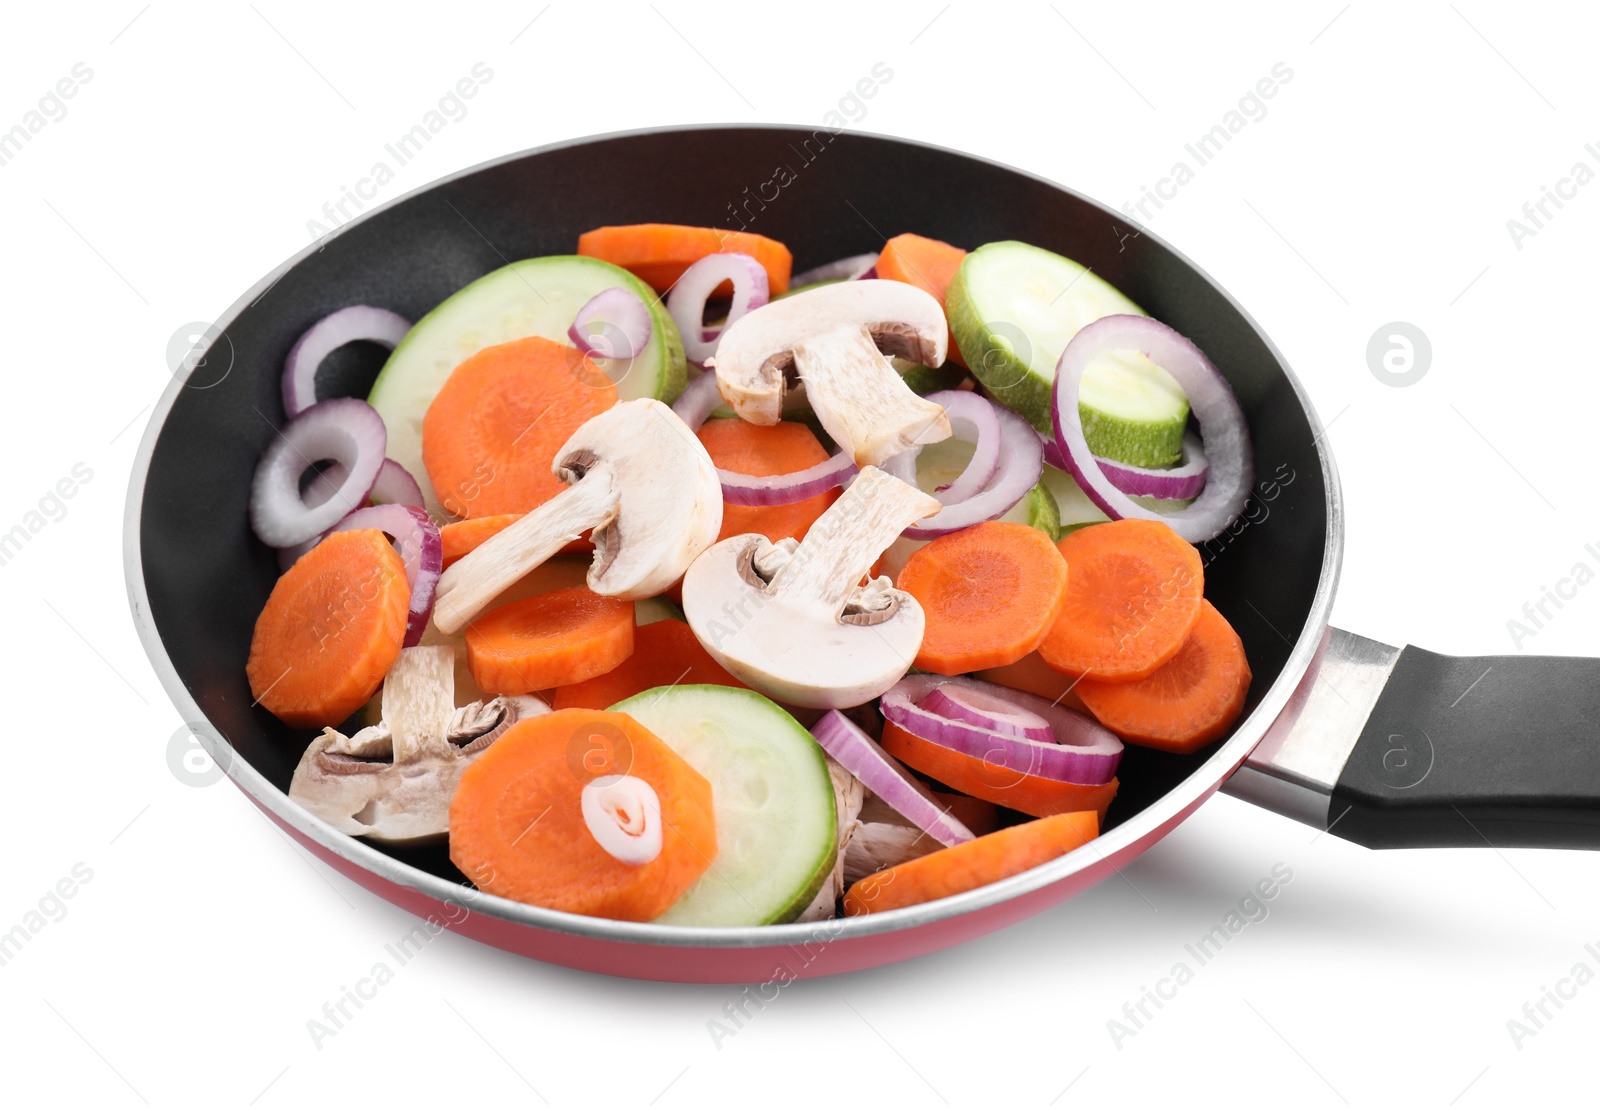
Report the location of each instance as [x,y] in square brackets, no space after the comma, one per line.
[1405,748]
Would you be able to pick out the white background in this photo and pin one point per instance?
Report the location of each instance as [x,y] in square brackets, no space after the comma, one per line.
[1376,189]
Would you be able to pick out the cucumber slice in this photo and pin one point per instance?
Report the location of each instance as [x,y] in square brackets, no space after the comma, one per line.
[1076,510]
[776,826]
[1013,307]
[659,608]
[534,297]
[1038,509]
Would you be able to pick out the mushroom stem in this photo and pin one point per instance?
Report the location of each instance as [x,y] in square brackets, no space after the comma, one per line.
[477,578]
[861,400]
[419,702]
[838,551]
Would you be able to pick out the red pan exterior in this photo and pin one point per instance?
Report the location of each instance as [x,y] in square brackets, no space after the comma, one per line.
[824,956]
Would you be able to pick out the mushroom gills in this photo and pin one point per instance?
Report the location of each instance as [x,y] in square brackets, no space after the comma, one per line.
[791,620]
[393,781]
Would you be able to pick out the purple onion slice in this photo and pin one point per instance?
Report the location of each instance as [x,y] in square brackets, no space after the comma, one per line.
[613,324]
[840,270]
[687,300]
[884,776]
[980,708]
[357,322]
[347,431]
[1222,424]
[697,402]
[1084,751]
[1017,470]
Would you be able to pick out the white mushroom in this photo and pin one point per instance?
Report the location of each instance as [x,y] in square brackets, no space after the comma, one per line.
[635,475]
[835,339]
[393,781]
[882,838]
[848,797]
[791,620]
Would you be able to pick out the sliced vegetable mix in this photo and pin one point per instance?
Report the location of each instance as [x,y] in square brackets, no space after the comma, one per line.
[972,588]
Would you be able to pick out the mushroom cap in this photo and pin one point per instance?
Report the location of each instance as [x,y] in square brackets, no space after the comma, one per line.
[757,350]
[781,646]
[668,496]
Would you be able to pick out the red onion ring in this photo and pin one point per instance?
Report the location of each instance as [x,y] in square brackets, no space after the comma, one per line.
[393,486]
[687,300]
[1222,424]
[344,429]
[999,715]
[357,322]
[849,269]
[697,402]
[1017,470]
[417,540]
[884,776]
[1084,751]
[972,418]
[613,324]
[1180,483]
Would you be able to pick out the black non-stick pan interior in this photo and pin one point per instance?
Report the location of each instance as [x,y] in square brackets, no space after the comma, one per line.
[825,196]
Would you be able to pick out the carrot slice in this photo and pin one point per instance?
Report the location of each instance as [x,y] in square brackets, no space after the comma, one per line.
[518,828]
[1190,701]
[972,775]
[549,640]
[971,864]
[928,264]
[491,433]
[665,654]
[461,537]
[976,814]
[989,594]
[1033,675]
[331,629]
[762,450]
[660,253]
[1132,601]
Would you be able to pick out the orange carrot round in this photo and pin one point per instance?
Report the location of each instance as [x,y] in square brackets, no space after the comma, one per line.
[1003,786]
[549,640]
[928,264]
[1191,700]
[491,433]
[665,654]
[971,864]
[1133,598]
[762,450]
[989,594]
[518,827]
[659,253]
[331,629]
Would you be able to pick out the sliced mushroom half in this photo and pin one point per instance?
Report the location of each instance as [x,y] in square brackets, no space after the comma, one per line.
[393,781]
[792,620]
[639,478]
[836,340]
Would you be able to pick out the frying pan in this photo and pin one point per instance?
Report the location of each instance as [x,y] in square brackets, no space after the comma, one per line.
[1380,745]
